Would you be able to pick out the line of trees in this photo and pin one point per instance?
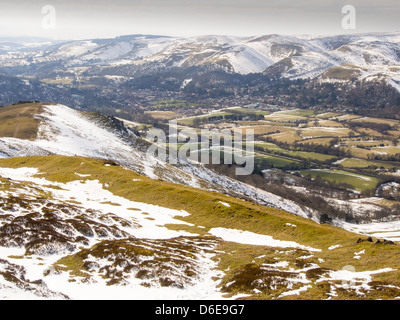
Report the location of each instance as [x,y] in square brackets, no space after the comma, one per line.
[382,128]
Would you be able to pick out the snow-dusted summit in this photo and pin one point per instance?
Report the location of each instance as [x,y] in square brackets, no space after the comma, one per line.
[329,58]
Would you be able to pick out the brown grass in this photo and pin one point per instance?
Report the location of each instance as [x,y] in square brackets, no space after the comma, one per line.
[18,121]
[245,262]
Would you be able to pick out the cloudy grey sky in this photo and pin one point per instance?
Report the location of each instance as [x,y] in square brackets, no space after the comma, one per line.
[79,19]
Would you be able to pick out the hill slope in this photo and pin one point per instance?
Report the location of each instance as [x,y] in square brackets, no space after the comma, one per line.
[93,230]
[65,131]
[85,214]
[370,56]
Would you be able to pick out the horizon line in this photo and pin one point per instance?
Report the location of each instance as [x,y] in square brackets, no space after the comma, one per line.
[201,35]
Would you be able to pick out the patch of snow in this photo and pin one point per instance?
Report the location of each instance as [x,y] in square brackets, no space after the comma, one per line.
[12,147]
[345,173]
[350,278]
[185,83]
[383,230]
[334,247]
[91,195]
[291,225]
[280,264]
[247,60]
[82,175]
[295,292]
[357,255]
[339,161]
[225,204]
[246,237]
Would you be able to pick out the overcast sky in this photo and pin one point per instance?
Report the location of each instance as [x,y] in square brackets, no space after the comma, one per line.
[80,19]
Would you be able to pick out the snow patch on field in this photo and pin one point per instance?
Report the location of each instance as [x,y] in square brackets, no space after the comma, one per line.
[150,221]
[92,195]
[225,204]
[295,292]
[350,279]
[246,237]
[334,247]
[383,230]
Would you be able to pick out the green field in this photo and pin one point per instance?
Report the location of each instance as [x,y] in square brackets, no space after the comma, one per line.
[358,181]
[322,132]
[244,111]
[64,81]
[171,104]
[327,115]
[361,163]
[271,147]
[276,162]
[224,115]
[296,113]
[190,121]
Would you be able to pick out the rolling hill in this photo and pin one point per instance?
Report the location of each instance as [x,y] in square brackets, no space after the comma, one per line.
[85,215]
[372,56]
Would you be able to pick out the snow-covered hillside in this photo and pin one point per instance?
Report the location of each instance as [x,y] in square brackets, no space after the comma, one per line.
[79,240]
[84,228]
[65,131]
[111,218]
[372,56]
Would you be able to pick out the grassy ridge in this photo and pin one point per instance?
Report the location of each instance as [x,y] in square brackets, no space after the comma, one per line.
[203,205]
[18,121]
[206,211]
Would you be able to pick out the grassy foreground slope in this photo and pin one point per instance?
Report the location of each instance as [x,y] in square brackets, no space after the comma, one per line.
[259,272]
[18,121]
